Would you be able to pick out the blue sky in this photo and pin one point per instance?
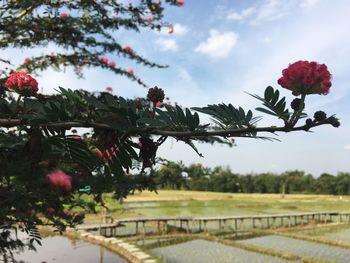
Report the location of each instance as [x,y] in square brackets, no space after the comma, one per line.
[220,50]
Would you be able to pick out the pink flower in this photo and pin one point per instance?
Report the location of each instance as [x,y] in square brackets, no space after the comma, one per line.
[304,77]
[171,29]
[109,89]
[128,49]
[67,213]
[112,152]
[50,210]
[149,18]
[74,136]
[22,83]
[104,60]
[112,64]
[27,60]
[130,71]
[64,14]
[29,212]
[158,104]
[61,180]
[180,2]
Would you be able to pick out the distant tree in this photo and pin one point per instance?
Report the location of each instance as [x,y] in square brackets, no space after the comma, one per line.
[223,180]
[342,183]
[246,183]
[171,176]
[326,184]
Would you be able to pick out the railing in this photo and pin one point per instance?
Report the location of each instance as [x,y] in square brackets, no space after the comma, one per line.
[200,224]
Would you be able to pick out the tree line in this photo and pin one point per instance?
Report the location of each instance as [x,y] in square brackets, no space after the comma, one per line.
[172,175]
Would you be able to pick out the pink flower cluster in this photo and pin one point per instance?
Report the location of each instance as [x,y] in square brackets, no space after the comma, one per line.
[60,180]
[304,77]
[106,61]
[22,83]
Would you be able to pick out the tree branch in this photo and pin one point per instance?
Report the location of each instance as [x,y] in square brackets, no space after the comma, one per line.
[8,123]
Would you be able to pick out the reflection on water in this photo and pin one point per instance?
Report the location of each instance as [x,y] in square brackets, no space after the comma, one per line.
[58,249]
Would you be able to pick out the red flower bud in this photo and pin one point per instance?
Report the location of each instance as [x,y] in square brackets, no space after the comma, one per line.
[27,60]
[104,60]
[130,71]
[128,49]
[180,2]
[112,64]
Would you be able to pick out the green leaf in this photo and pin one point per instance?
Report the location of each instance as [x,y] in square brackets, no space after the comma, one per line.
[95,103]
[269,92]
[33,104]
[266,111]
[152,122]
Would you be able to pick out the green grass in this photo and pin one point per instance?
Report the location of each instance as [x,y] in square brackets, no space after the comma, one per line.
[192,203]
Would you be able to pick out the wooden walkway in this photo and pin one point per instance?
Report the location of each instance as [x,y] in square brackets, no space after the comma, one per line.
[201,223]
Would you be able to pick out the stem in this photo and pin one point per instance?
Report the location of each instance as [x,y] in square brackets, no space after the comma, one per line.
[25,12]
[18,102]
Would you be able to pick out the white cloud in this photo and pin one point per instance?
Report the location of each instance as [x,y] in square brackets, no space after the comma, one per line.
[167,44]
[271,10]
[308,3]
[241,15]
[218,45]
[347,147]
[267,39]
[180,30]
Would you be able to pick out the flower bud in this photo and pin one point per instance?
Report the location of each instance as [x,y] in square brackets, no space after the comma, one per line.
[334,121]
[320,116]
[308,122]
[155,95]
[296,104]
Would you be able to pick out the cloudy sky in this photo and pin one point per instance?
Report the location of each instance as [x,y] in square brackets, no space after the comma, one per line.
[221,49]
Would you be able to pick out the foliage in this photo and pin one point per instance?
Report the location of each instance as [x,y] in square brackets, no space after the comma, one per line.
[119,150]
[220,179]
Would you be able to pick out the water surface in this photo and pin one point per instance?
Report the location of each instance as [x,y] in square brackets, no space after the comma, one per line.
[59,249]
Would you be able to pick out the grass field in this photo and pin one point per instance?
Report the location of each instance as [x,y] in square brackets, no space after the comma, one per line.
[194,203]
